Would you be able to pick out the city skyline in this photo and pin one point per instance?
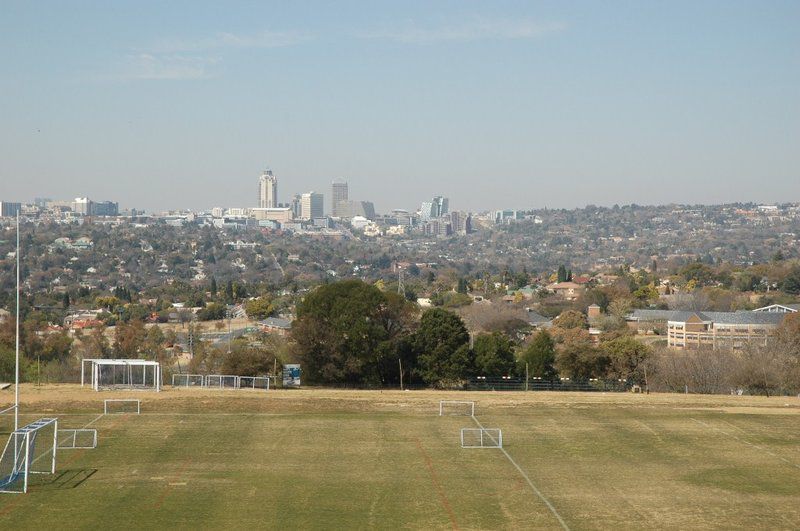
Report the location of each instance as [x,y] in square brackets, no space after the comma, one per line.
[501,106]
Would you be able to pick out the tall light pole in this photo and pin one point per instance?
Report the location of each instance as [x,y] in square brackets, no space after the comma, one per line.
[16,368]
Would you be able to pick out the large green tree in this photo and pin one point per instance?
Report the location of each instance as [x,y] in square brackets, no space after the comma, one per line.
[442,346]
[345,329]
[540,355]
[493,355]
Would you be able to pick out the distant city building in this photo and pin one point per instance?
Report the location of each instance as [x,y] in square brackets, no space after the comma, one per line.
[507,216]
[461,222]
[8,209]
[296,206]
[339,195]
[82,205]
[238,212]
[217,212]
[267,190]
[280,214]
[436,208]
[312,206]
[350,209]
[104,208]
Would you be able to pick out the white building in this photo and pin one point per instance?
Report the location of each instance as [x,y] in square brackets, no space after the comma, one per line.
[267,190]
[312,205]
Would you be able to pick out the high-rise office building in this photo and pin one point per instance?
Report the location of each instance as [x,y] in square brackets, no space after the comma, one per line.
[338,197]
[9,209]
[267,190]
[312,205]
[435,208]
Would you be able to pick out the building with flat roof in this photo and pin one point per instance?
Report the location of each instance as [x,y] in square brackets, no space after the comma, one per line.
[339,196]
[267,190]
[312,206]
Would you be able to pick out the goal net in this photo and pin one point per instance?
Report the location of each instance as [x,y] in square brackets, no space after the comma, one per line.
[254,382]
[481,438]
[222,381]
[188,380]
[29,450]
[77,438]
[456,408]
[113,406]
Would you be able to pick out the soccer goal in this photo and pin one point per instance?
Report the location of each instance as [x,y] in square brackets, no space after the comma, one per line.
[121,374]
[79,438]
[222,381]
[456,408]
[29,450]
[254,382]
[113,406]
[481,438]
[188,380]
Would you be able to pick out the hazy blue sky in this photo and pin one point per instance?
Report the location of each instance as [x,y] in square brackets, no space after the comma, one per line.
[495,104]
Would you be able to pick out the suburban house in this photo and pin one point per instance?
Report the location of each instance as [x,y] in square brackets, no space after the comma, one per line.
[568,290]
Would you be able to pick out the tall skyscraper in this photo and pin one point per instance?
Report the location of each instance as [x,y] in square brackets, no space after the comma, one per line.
[338,197]
[312,205]
[267,190]
[436,208]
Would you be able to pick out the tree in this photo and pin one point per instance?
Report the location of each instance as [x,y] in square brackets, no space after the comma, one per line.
[343,330]
[540,355]
[212,312]
[791,283]
[493,355]
[244,360]
[442,346]
[213,286]
[259,308]
[129,339]
[580,360]
[626,358]
[571,319]
[462,285]
[562,273]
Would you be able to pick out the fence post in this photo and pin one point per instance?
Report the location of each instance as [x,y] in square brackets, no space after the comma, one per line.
[526,375]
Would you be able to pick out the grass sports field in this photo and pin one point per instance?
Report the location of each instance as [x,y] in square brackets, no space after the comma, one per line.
[367,459]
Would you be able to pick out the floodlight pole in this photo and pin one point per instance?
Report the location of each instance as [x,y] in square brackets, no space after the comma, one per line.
[16,367]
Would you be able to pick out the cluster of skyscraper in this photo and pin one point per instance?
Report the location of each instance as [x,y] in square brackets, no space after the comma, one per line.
[309,205]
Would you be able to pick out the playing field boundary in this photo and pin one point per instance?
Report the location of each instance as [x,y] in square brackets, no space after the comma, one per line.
[528,480]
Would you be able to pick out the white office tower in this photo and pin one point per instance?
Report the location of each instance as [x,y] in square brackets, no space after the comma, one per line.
[311,206]
[267,190]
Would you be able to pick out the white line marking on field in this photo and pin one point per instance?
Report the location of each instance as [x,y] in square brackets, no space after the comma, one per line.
[746,442]
[101,415]
[533,487]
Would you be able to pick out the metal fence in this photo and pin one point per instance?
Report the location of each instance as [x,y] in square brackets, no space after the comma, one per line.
[538,384]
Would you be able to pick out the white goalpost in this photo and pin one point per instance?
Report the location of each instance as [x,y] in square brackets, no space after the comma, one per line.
[188,380]
[29,450]
[481,438]
[77,438]
[113,406]
[456,408]
[222,381]
[122,374]
[254,382]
